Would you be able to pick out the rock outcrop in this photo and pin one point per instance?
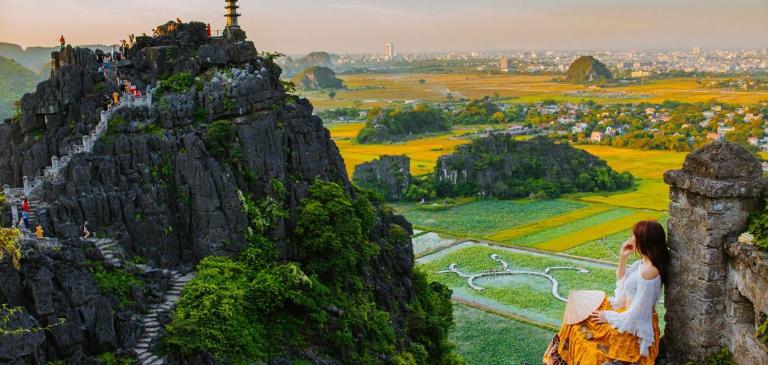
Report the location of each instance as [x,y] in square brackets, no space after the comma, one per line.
[318,78]
[389,175]
[162,188]
[718,289]
[500,166]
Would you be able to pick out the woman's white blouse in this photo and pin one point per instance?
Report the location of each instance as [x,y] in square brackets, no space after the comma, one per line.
[642,296]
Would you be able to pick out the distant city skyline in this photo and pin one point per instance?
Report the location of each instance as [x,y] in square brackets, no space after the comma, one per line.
[364,26]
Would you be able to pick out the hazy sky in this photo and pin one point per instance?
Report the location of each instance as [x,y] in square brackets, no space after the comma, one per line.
[299,26]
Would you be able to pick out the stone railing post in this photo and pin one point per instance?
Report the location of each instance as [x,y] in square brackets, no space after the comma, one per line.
[55,162]
[711,200]
[27,186]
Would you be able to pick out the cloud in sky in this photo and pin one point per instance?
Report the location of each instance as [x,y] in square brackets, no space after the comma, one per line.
[298,26]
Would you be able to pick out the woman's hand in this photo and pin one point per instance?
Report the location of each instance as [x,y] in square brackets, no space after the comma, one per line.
[628,248]
[598,317]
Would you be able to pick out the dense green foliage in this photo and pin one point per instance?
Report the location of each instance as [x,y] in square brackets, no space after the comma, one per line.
[256,307]
[480,111]
[109,358]
[116,282]
[587,69]
[758,226]
[15,80]
[177,83]
[220,140]
[400,123]
[344,114]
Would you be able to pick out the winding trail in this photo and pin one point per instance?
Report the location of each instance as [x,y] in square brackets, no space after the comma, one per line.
[505,271]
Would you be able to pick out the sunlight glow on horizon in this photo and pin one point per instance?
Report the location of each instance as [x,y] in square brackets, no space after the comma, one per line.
[363,26]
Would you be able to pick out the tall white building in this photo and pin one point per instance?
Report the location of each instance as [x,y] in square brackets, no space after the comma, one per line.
[696,50]
[389,51]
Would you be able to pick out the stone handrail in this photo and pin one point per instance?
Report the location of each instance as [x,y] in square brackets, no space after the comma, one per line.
[15,196]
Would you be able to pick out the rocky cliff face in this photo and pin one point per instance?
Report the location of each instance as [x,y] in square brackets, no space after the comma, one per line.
[587,69]
[153,183]
[718,289]
[390,175]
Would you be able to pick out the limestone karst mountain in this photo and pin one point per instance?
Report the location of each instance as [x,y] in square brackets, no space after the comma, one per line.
[318,78]
[587,70]
[224,227]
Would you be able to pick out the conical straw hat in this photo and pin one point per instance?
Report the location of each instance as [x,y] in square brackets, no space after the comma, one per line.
[581,303]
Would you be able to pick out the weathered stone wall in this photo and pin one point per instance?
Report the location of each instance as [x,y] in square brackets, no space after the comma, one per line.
[717,290]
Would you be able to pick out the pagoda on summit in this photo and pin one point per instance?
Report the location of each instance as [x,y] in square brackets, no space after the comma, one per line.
[232,31]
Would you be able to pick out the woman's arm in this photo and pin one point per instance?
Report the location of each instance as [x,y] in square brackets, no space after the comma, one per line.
[637,320]
[626,250]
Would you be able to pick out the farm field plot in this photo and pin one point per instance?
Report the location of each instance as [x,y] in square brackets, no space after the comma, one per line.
[593,232]
[649,166]
[570,227]
[526,295]
[608,246]
[487,339]
[509,234]
[485,217]
[423,152]
[382,89]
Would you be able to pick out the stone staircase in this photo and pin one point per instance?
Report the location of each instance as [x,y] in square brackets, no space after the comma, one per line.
[113,254]
[151,321]
[110,250]
[31,185]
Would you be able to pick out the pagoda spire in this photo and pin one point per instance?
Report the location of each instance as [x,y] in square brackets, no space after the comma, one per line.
[232,14]
[232,31]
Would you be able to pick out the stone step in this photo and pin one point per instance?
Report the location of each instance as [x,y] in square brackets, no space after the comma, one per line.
[150,360]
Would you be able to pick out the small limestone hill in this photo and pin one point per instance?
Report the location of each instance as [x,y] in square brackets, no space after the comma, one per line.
[318,78]
[587,70]
[502,167]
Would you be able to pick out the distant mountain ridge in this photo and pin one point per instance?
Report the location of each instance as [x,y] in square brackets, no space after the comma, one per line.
[34,58]
[15,81]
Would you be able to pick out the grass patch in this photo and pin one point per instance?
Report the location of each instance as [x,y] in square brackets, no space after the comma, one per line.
[484,338]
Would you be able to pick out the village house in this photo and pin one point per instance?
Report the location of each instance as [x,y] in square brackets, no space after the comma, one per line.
[597,137]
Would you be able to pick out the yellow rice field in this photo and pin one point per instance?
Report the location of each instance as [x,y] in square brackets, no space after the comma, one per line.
[423,152]
[597,231]
[553,222]
[382,89]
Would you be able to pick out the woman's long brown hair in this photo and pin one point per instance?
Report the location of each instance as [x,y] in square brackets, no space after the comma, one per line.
[651,241]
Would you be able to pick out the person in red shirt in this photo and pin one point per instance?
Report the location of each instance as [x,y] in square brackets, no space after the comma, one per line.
[25,205]
[209,30]
[62,41]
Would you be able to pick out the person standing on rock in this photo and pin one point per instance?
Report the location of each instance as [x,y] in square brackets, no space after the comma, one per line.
[39,231]
[86,233]
[62,41]
[208,28]
[25,219]
[25,205]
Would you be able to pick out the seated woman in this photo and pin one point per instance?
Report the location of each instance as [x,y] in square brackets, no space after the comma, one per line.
[625,329]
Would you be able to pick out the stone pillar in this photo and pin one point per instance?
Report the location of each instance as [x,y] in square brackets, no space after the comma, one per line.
[55,163]
[14,215]
[711,200]
[87,143]
[27,186]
